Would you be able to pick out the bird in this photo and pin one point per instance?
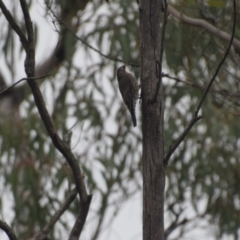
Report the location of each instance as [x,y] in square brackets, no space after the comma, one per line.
[128,86]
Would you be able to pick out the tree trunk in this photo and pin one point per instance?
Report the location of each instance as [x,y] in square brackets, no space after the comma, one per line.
[152,122]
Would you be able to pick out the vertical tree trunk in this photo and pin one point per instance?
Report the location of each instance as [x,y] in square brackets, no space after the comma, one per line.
[152,123]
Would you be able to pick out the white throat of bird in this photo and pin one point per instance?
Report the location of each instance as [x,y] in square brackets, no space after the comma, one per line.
[127,70]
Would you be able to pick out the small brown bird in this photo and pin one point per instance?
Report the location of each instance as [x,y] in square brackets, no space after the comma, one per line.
[128,87]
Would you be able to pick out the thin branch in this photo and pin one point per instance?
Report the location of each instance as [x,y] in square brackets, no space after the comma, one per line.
[13,24]
[22,79]
[70,198]
[96,50]
[81,218]
[196,117]
[175,225]
[222,92]
[87,44]
[5,227]
[222,61]
[203,24]
[101,217]
[58,142]
[49,226]
[181,138]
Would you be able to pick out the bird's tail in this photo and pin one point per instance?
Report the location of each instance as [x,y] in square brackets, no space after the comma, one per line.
[132,111]
[134,120]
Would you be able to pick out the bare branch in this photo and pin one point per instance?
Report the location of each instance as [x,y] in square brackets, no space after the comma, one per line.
[205,25]
[81,218]
[181,138]
[4,226]
[85,199]
[222,92]
[87,44]
[174,225]
[49,226]
[222,61]
[196,117]
[96,50]
[13,24]
[70,198]
[22,79]
[58,142]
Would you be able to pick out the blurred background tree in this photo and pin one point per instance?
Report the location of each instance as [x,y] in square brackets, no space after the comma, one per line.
[82,96]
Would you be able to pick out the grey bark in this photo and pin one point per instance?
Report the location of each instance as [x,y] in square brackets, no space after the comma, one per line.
[152,122]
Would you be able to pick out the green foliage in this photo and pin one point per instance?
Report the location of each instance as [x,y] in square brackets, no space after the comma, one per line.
[216,3]
[206,163]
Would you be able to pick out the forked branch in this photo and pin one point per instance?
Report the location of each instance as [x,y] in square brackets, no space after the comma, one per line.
[29,46]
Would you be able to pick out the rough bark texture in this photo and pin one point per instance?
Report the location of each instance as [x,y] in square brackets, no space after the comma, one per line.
[152,109]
